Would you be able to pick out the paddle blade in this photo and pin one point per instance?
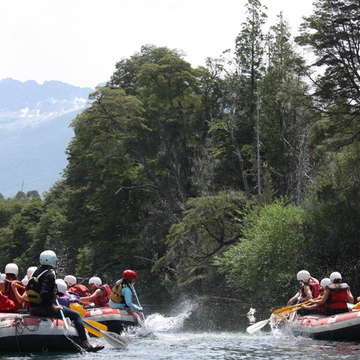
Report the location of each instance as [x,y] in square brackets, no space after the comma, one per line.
[257,326]
[100,326]
[115,340]
[78,308]
[92,329]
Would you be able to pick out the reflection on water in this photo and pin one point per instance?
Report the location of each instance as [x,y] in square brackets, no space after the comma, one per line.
[166,339]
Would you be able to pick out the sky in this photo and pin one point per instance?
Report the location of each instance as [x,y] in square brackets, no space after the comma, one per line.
[80,41]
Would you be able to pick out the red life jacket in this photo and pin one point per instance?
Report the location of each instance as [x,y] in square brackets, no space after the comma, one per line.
[6,303]
[315,288]
[8,292]
[337,299]
[103,299]
[80,290]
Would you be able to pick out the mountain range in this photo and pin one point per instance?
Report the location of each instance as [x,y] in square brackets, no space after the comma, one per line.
[35,132]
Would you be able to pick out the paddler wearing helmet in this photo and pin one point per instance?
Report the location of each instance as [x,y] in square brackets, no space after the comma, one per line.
[41,293]
[309,288]
[122,294]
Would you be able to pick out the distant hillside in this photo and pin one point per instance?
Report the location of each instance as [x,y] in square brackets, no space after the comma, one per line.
[34,131]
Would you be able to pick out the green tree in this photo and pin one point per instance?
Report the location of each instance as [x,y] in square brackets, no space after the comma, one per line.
[18,234]
[286,116]
[32,194]
[20,195]
[333,34]
[269,254]
[209,226]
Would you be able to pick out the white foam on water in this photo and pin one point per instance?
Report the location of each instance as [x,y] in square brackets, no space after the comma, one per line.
[159,323]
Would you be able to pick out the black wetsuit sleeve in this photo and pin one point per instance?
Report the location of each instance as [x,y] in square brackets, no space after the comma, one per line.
[47,288]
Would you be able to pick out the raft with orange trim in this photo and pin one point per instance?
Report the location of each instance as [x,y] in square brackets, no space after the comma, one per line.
[117,320]
[23,333]
[340,327]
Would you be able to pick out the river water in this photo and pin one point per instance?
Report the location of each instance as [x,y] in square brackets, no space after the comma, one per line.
[166,338]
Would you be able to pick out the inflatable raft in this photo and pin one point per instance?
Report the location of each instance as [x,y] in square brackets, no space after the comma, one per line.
[115,319]
[22,333]
[341,327]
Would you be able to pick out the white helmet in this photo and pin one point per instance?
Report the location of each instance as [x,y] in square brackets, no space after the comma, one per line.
[70,280]
[12,269]
[325,282]
[335,276]
[95,280]
[30,271]
[303,275]
[61,286]
[48,257]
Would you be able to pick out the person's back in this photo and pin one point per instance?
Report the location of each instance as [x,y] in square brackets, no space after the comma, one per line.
[41,291]
[79,289]
[337,295]
[11,272]
[75,288]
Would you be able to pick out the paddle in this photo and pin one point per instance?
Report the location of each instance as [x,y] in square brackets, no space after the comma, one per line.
[77,346]
[137,300]
[112,338]
[292,308]
[78,308]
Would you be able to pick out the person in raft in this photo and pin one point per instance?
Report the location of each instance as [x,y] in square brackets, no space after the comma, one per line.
[336,297]
[41,293]
[28,275]
[64,297]
[122,294]
[9,300]
[309,288]
[74,287]
[100,293]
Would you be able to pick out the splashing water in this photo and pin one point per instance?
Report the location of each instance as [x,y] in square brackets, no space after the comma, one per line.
[157,322]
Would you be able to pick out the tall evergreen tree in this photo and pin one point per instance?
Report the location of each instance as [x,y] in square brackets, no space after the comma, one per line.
[334,35]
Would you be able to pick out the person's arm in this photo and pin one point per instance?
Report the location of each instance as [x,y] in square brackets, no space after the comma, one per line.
[294,299]
[91,298]
[308,294]
[318,301]
[20,298]
[350,297]
[47,287]
[127,293]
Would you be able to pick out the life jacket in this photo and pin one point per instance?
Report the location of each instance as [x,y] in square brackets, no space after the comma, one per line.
[6,304]
[33,289]
[337,299]
[103,299]
[80,290]
[116,295]
[8,292]
[314,288]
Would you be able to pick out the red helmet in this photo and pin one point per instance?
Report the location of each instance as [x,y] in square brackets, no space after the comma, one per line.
[129,274]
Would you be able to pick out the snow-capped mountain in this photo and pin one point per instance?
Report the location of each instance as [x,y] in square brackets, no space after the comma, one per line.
[34,132]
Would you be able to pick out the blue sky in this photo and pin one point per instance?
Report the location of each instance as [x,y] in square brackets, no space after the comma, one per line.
[79,41]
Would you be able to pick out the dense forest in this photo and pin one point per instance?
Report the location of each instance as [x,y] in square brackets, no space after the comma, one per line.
[219,181]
